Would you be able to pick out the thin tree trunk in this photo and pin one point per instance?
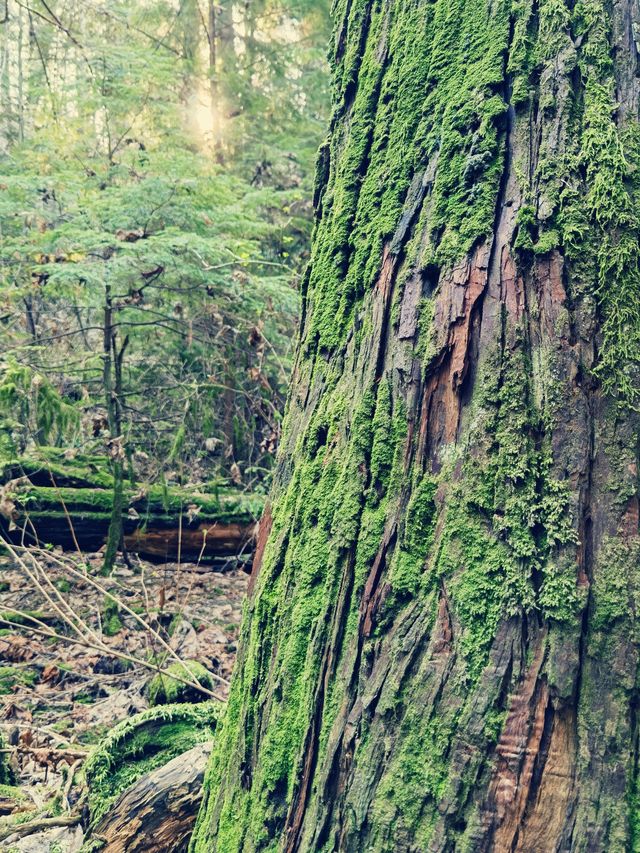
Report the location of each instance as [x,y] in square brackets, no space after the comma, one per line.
[109,380]
[214,82]
[441,646]
[20,75]
[30,318]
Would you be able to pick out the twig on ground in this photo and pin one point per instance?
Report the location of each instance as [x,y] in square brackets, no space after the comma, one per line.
[111,651]
[122,604]
[23,829]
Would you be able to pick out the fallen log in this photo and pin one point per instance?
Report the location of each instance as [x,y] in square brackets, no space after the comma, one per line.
[213,540]
[157,813]
[138,790]
[12,800]
[52,466]
[161,523]
[140,745]
[144,780]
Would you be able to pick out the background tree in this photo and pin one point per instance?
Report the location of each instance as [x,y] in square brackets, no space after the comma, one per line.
[441,648]
[120,225]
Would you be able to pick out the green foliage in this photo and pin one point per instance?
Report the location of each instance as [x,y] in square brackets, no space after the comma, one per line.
[31,408]
[135,175]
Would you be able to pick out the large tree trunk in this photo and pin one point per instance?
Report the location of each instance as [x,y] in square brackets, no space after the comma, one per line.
[440,649]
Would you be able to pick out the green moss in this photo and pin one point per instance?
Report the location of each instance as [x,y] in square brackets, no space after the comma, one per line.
[416,539]
[48,467]
[165,690]
[494,722]
[592,185]
[547,242]
[14,676]
[111,623]
[156,501]
[427,347]
[331,489]
[616,585]
[416,775]
[507,517]
[435,92]
[7,822]
[141,744]
[526,225]
[12,792]
[26,618]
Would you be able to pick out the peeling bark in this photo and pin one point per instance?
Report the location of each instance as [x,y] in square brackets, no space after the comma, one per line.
[441,645]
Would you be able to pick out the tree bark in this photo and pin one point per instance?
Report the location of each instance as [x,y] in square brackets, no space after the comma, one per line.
[441,645]
[114,541]
[156,814]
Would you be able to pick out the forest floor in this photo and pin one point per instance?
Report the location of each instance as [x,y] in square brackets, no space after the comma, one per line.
[58,698]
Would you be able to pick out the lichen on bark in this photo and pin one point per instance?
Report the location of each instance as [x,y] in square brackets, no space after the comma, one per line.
[440,648]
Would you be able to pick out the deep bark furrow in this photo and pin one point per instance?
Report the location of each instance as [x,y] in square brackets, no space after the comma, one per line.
[441,647]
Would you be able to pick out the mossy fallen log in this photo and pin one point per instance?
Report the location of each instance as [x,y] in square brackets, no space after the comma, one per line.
[46,503]
[139,789]
[139,746]
[52,466]
[12,800]
[158,812]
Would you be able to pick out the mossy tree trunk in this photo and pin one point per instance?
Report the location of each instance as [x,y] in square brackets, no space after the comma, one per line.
[440,647]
